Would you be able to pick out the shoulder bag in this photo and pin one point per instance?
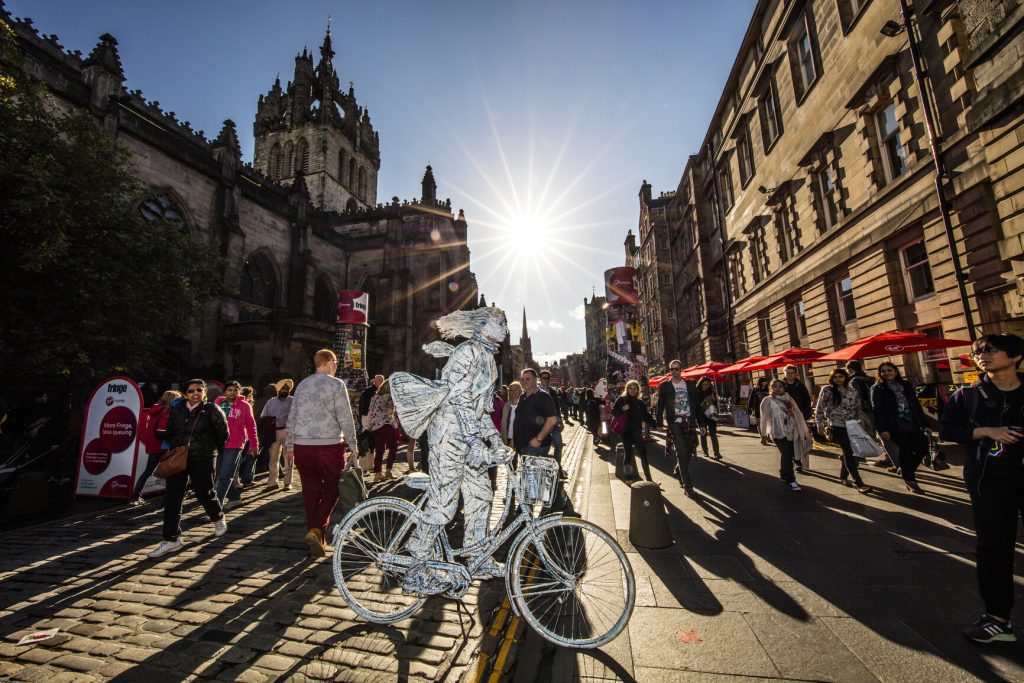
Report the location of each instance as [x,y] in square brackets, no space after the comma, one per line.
[175,460]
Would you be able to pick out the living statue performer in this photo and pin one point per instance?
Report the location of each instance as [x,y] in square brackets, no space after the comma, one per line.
[455,411]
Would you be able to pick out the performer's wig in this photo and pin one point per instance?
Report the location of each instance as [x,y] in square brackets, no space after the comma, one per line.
[467,323]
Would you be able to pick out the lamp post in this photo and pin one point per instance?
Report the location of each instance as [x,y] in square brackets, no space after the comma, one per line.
[891,28]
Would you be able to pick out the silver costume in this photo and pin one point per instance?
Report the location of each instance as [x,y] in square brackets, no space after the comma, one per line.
[455,411]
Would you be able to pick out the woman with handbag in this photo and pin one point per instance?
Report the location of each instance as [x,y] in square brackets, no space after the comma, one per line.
[783,425]
[898,416]
[707,407]
[196,431]
[837,403]
[631,413]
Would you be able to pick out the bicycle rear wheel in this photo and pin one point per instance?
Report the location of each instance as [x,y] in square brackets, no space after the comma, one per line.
[573,584]
[369,535]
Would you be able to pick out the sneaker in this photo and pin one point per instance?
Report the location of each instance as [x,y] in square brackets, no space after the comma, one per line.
[988,630]
[165,548]
[136,502]
[220,527]
[793,486]
[718,456]
[689,492]
[799,469]
[230,504]
[884,462]
[863,488]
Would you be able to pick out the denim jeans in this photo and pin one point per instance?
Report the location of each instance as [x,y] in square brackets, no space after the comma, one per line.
[226,466]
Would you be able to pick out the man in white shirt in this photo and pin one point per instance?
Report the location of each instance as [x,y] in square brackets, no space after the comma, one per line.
[675,402]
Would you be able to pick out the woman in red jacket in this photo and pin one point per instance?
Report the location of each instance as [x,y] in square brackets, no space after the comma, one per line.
[152,435]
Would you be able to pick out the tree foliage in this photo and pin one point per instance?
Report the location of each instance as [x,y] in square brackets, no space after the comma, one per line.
[87,285]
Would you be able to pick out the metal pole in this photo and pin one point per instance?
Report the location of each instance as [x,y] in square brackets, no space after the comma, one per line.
[940,169]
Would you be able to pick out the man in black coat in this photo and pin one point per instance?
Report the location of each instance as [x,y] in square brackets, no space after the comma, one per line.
[797,390]
[200,425]
[676,402]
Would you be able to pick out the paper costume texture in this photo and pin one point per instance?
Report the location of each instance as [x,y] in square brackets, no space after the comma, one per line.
[455,412]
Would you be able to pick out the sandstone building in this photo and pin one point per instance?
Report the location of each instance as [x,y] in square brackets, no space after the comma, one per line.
[297,226]
[809,216]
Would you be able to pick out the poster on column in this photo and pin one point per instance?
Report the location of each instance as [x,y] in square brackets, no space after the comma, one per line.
[107,461]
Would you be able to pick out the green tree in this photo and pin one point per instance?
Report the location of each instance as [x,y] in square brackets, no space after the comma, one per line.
[88,287]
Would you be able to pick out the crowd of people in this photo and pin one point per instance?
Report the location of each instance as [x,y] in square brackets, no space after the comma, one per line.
[310,428]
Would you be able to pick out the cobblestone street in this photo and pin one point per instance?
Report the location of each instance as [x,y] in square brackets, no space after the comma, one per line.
[249,606]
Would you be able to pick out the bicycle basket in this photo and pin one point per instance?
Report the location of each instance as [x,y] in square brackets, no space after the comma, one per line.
[540,477]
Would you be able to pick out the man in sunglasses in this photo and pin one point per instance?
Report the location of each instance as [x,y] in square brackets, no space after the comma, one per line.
[988,418]
[675,401]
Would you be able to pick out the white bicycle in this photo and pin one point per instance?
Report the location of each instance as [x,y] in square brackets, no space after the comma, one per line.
[565,576]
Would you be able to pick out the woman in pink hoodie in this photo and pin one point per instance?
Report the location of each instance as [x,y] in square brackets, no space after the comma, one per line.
[241,428]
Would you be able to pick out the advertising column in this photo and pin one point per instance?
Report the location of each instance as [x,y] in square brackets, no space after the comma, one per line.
[350,338]
[623,337]
[110,440]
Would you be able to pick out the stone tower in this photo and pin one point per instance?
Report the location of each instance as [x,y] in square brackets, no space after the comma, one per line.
[312,128]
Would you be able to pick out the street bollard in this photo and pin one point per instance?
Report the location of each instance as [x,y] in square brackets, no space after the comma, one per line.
[622,468]
[648,518]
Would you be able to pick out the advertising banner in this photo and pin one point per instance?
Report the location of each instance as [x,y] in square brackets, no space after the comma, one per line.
[108,459]
[624,343]
[352,307]
[620,286]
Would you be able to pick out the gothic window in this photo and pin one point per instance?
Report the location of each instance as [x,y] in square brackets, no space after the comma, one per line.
[302,157]
[274,161]
[351,177]
[362,184]
[289,160]
[341,166]
[325,301]
[351,205]
[161,208]
[259,283]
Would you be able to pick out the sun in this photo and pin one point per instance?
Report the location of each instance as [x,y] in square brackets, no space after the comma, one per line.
[528,232]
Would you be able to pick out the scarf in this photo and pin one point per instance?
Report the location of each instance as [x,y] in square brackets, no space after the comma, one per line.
[902,406]
[489,346]
[783,417]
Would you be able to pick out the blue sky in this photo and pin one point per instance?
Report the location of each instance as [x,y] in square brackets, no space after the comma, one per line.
[540,119]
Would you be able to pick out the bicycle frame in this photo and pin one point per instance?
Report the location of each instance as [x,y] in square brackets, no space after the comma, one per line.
[524,521]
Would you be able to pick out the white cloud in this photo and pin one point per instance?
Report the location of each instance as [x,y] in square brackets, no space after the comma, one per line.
[536,324]
[555,325]
[577,313]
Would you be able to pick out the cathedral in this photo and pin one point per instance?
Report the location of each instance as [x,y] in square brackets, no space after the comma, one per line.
[295,226]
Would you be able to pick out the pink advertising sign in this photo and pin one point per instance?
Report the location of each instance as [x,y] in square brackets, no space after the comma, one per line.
[107,463]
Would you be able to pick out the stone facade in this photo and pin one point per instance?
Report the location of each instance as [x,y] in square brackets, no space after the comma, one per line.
[809,216]
[288,249]
[595,357]
[654,282]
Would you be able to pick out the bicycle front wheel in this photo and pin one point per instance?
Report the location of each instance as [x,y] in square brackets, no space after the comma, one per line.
[572,583]
[369,559]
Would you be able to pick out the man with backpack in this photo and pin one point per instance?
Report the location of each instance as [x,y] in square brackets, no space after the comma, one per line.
[988,418]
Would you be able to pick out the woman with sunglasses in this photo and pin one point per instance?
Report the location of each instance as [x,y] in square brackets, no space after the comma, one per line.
[201,427]
[898,416]
[837,403]
[636,413]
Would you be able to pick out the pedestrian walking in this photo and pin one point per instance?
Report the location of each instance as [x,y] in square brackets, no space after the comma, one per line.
[264,428]
[247,462]
[988,419]
[757,394]
[321,423]
[592,407]
[797,390]
[536,417]
[153,436]
[837,403]
[556,433]
[900,418]
[201,427]
[365,443]
[241,429]
[637,414]
[860,381]
[706,400]
[675,402]
[783,425]
[383,423]
[278,408]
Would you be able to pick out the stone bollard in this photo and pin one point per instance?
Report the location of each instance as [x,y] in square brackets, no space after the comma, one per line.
[648,518]
[622,468]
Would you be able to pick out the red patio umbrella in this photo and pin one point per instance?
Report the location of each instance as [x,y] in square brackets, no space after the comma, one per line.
[712,368]
[793,356]
[891,344]
[655,381]
[740,365]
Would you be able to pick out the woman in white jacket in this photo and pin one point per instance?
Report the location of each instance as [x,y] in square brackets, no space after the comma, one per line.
[783,424]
